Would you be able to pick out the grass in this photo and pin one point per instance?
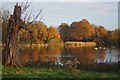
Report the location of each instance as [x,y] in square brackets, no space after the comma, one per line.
[11,72]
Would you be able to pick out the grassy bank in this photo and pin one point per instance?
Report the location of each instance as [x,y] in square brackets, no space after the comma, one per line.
[11,72]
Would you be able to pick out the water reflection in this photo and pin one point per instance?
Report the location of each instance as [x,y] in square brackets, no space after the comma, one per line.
[100,56]
[40,54]
[85,55]
[88,57]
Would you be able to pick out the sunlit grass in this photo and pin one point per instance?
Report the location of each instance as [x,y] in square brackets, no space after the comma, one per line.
[11,72]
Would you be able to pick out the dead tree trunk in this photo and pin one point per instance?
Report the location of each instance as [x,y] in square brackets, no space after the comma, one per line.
[11,51]
[10,54]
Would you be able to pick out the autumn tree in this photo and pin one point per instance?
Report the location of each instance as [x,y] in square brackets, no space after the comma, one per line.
[53,37]
[53,33]
[42,32]
[39,33]
[118,37]
[24,37]
[64,30]
[111,38]
[101,36]
[77,31]
[4,16]
[114,38]
[82,30]
[102,33]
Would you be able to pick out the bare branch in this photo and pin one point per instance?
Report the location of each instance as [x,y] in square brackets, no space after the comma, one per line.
[29,16]
[37,15]
[34,19]
[41,18]
[25,6]
[25,17]
[21,4]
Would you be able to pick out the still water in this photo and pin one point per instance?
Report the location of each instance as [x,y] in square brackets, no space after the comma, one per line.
[85,55]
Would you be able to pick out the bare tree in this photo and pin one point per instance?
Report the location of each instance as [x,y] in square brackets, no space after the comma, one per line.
[11,51]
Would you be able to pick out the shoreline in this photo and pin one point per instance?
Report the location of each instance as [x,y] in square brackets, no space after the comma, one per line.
[33,45]
[67,43]
[80,44]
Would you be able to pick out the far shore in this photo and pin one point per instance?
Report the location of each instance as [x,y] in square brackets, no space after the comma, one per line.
[67,43]
[33,45]
[79,44]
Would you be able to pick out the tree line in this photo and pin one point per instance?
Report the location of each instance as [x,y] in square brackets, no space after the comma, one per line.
[40,34]
[86,32]
[77,31]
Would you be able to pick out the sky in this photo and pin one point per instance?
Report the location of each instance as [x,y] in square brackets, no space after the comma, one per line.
[99,12]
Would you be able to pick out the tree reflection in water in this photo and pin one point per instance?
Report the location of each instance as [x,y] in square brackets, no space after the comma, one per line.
[88,57]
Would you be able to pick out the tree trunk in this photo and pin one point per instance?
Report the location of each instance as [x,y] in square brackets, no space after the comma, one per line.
[11,50]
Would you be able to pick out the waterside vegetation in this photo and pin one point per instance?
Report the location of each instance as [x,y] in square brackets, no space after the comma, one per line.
[78,44]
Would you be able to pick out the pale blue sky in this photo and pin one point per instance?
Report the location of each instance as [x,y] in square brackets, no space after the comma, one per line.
[54,13]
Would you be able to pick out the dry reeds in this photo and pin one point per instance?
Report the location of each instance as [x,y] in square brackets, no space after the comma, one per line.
[78,44]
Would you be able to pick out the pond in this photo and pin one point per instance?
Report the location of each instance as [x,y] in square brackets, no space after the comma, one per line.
[89,58]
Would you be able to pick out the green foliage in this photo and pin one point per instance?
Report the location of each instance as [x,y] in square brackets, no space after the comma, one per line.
[12,72]
[55,42]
